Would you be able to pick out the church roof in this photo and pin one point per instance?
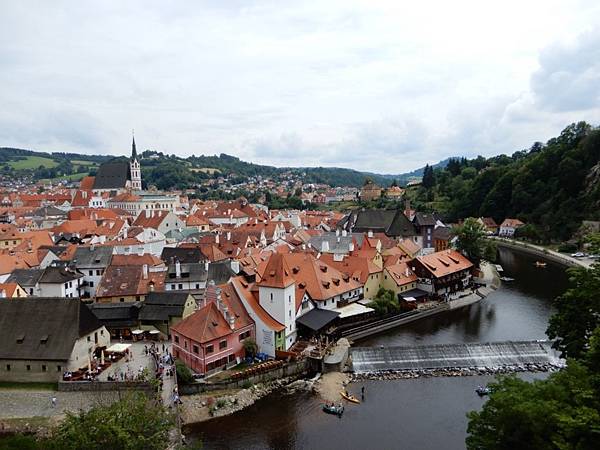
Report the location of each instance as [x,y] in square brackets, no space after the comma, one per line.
[112,175]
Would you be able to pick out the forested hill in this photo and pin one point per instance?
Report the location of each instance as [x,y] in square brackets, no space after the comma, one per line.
[170,171]
[553,186]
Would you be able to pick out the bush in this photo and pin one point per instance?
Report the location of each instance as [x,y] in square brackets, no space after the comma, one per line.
[567,247]
[184,374]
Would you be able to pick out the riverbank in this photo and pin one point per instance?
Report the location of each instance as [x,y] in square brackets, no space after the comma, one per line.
[197,408]
[541,252]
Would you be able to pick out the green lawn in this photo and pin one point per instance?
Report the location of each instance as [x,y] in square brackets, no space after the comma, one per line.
[4,385]
[81,162]
[32,162]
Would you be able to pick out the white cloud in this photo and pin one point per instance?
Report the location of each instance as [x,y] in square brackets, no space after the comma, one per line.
[373,85]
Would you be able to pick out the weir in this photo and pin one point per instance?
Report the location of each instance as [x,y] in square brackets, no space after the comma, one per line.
[454,356]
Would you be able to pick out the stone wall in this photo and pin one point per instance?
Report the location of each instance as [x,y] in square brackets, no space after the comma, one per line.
[293,369]
[102,386]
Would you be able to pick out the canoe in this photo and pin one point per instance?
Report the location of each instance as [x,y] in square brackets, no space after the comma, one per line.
[540,264]
[350,397]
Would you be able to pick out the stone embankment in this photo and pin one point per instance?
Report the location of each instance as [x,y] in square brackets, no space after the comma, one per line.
[453,372]
[201,407]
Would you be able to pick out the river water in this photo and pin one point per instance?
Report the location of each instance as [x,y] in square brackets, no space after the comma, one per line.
[425,413]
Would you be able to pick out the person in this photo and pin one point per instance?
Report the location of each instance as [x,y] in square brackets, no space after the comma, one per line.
[362,392]
[53,401]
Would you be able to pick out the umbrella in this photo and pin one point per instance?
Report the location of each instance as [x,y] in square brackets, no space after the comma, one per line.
[102,357]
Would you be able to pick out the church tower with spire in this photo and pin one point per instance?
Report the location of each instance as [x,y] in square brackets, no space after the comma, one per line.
[135,169]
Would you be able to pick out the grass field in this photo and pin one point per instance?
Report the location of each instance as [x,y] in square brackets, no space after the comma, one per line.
[32,162]
[80,162]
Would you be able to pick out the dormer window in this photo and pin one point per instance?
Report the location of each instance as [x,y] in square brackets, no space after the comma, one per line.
[20,338]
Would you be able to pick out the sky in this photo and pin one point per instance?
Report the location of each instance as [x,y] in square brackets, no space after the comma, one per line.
[382,86]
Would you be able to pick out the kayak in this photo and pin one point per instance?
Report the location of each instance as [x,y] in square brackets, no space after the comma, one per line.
[349,397]
[332,409]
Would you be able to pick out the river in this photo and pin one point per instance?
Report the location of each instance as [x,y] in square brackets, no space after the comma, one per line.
[425,413]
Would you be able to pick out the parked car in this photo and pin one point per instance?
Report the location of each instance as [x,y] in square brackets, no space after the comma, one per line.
[578,255]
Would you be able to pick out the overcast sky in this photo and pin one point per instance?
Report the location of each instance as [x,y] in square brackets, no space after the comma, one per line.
[379,86]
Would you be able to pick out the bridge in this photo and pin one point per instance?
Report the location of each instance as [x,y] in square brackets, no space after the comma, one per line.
[454,356]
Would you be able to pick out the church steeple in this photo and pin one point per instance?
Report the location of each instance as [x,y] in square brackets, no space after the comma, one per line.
[133,150]
[135,169]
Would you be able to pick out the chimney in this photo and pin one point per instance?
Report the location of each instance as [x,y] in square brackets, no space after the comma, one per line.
[217,238]
[235,266]
[206,268]
[147,214]
[145,271]
[344,233]
[370,234]
[351,247]
[231,321]
[125,233]
[229,235]
[324,246]
[151,286]
[177,268]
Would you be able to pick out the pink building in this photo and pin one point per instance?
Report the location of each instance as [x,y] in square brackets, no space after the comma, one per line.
[212,338]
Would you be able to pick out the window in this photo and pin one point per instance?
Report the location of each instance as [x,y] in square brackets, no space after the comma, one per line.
[222,345]
[180,286]
[98,272]
[177,339]
[44,368]
[271,296]
[91,284]
[89,339]
[58,368]
[101,332]
[8,367]
[91,272]
[209,349]
[290,312]
[197,286]
[121,299]
[28,367]
[172,287]
[195,349]
[70,284]
[185,344]
[137,298]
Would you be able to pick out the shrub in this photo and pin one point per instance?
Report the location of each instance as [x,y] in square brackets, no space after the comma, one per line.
[184,374]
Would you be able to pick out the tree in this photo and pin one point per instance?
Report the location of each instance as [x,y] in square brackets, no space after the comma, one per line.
[490,251]
[470,239]
[385,302]
[562,412]
[132,423]
[250,347]
[428,177]
[578,312]
[184,374]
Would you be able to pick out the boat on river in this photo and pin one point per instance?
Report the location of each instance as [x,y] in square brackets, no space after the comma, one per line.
[349,397]
[483,390]
[336,410]
[540,264]
[507,279]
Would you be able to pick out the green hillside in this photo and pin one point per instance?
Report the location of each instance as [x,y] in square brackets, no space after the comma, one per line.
[552,186]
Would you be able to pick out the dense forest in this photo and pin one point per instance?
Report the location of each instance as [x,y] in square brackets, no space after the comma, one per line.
[552,186]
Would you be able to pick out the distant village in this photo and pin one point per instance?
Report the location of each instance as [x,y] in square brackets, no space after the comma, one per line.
[86,270]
